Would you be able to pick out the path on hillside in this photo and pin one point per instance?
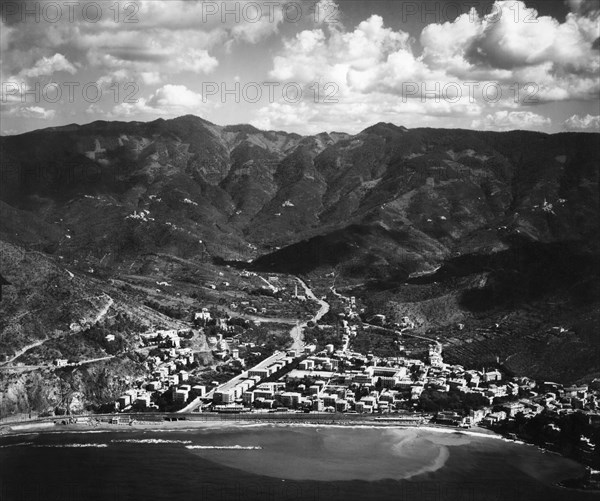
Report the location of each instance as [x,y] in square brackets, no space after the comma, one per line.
[24,350]
[404,333]
[337,294]
[37,310]
[425,338]
[269,284]
[104,310]
[297,332]
[257,318]
[27,368]
[101,314]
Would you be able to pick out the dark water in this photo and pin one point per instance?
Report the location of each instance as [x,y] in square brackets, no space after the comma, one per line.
[265,463]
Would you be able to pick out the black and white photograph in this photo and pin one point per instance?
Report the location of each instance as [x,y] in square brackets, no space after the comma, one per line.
[311,250]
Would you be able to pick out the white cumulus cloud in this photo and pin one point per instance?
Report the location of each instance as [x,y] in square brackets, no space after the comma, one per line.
[168,100]
[511,120]
[588,123]
[32,112]
[47,66]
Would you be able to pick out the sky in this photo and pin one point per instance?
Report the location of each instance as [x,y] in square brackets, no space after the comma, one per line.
[303,66]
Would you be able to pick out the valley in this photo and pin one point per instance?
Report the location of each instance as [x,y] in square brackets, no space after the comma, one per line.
[112,233]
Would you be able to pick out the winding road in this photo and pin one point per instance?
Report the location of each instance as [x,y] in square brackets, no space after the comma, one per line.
[297,332]
[99,316]
[24,350]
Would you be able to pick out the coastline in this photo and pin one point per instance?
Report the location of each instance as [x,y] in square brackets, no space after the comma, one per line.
[90,425]
[93,425]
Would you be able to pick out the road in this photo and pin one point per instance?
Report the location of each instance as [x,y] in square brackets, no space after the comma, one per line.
[404,333]
[257,318]
[30,312]
[104,310]
[297,332]
[425,338]
[24,350]
[101,314]
[269,284]
[26,368]
[337,294]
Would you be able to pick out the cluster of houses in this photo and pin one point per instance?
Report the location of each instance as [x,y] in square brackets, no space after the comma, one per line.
[345,381]
[233,391]
[166,372]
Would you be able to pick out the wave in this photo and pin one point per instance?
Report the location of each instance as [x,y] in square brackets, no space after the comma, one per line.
[15,445]
[226,447]
[60,446]
[436,464]
[513,441]
[150,441]
[459,431]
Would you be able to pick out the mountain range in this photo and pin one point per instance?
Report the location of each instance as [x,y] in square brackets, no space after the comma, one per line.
[448,226]
[188,187]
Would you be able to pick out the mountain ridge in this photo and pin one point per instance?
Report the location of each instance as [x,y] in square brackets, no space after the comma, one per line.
[250,178]
[465,232]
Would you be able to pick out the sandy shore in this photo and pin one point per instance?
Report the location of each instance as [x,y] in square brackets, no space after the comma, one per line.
[89,426]
[92,425]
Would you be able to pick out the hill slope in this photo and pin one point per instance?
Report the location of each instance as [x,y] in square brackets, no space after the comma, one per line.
[381,208]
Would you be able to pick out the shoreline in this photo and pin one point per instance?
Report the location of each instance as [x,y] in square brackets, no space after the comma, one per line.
[90,424]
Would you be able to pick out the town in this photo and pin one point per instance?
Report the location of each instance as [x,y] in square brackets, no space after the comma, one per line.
[319,372]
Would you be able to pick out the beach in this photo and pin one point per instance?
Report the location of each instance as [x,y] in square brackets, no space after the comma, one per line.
[249,460]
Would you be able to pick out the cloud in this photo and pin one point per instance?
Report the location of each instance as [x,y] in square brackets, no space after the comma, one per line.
[359,111]
[168,100]
[177,96]
[514,36]
[584,7]
[513,44]
[356,59]
[120,75]
[248,16]
[588,123]
[530,59]
[47,66]
[369,61]
[32,112]
[327,12]
[174,54]
[444,44]
[150,77]
[177,36]
[511,120]
[262,23]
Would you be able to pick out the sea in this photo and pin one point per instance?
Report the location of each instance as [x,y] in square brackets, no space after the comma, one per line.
[278,462]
